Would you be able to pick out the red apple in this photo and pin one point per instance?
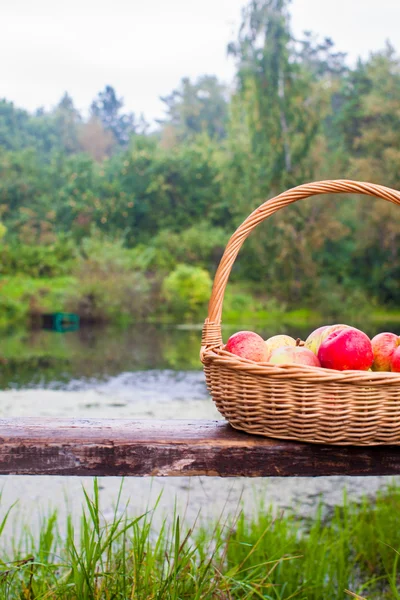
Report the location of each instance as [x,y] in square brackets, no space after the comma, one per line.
[383,346]
[248,344]
[315,339]
[346,349]
[395,362]
[277,341]
[294,355]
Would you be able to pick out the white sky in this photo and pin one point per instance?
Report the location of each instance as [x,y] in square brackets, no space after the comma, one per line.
[144,47]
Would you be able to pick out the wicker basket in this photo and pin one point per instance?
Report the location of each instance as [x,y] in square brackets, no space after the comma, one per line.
[298,402]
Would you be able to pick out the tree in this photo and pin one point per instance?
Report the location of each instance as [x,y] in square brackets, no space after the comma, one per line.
[67,121]
[107,108]
[347,108]
[277,113]
[320,57]
[26,194]
[370,125]
[19,129]
[376,140]
[274,95]
[197,107]
[13,126]
[95,140]
[167,189]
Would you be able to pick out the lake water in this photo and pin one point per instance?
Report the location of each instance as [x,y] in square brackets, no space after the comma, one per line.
[144,372]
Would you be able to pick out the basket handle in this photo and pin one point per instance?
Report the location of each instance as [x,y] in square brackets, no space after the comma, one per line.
[212,326]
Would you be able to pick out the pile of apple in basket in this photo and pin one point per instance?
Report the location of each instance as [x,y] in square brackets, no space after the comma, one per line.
[339,347]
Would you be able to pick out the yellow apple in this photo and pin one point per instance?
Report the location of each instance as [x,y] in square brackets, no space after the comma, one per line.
[319,335]
[277,341]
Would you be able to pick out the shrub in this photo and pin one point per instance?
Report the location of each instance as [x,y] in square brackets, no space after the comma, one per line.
[187,290]
[24,299]
[105,253]
[110,288]
[12,312]
[54,260]
[111,297]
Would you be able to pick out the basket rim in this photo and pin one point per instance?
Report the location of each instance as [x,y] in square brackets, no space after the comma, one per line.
[223,358]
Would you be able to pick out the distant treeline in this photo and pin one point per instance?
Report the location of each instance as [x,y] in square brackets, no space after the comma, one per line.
[73,188]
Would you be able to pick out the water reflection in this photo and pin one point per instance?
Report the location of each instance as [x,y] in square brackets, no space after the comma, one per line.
[50,359]
[43,358]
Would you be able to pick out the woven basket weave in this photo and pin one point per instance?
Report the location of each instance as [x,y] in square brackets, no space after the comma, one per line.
[298,402]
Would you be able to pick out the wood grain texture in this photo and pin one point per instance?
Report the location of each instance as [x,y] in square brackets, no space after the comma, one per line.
[44,446]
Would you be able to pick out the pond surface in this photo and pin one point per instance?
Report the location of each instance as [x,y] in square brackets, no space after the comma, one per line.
[70,360]
[144,372]
[81,359]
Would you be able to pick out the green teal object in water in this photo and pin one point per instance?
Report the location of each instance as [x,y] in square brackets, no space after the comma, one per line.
[60,322]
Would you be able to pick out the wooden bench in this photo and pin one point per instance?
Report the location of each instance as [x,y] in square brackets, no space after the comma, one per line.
[102,447]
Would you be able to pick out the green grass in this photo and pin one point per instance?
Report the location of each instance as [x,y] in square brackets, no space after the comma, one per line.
[268,556]
[17,287]
[386,316]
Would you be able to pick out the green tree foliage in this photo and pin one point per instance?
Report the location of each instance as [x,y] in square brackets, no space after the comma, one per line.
[274,143]
[20,130]
[320,58]
[52,260]
[274,96]
[46,132]
[67,121]
[167,189]
[95,140]
[376,140]
[25,191]
[201,106]
[172,197]
[107,108]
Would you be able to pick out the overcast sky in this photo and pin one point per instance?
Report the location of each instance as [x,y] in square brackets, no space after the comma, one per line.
[144,47]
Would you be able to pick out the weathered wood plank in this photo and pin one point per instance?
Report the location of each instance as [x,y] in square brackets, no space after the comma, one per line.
[43,446]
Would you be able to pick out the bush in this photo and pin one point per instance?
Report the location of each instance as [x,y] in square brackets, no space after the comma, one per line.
[12,312]
[110,288]
[187,290]
[201,244]
[105,253]
[113,297]
[54,260]
[24,299]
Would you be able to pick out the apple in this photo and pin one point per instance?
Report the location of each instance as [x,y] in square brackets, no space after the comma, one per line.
[248,344]
[395,362]
[383,346]
[313,341]
[277,341]
[345,349]
[294,355]
[316,338]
